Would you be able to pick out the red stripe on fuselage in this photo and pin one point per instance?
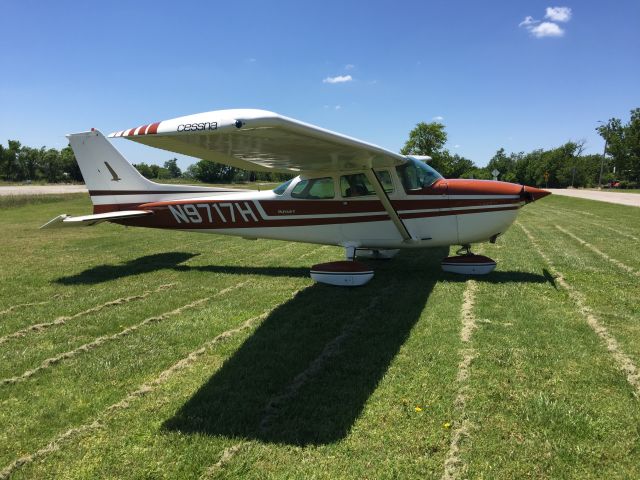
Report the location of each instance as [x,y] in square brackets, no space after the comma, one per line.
[163,218]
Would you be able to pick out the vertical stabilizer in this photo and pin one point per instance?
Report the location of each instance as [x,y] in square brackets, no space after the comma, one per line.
[103,167]
[115,184]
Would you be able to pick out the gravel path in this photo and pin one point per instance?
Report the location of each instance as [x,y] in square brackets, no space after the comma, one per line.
[41,189]
[632,199]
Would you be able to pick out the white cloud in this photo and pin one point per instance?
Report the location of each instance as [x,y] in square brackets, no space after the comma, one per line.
[456,146]
[338,107]
[437,118]
[558,14]
[546,29]
[541,29]
[528,20]
[349,66]
[338,79]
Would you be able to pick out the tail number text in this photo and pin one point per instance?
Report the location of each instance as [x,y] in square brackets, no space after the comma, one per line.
[213,212]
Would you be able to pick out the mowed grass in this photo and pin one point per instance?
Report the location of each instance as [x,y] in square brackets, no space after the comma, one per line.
[174,355]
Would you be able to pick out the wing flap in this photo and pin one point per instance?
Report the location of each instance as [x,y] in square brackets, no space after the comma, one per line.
[261,140]
[65,221]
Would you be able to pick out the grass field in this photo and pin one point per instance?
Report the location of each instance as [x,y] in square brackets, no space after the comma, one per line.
[133,353]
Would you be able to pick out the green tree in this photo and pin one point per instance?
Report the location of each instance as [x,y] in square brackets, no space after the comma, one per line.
[144,169]
[211,172]
[425,139]
[70,165]
[429,139]
[623,144]
[506,165]
[172,168]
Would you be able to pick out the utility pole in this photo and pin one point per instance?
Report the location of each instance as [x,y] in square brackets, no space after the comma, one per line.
[604,153]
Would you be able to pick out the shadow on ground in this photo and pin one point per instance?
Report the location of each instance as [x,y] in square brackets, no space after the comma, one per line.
[174,260]
[146,264]
[331,337]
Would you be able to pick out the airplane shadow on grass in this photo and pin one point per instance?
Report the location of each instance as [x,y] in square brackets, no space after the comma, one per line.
[304,376]
[173,261]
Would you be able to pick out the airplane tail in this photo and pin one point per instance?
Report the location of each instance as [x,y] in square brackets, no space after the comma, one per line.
[114,184]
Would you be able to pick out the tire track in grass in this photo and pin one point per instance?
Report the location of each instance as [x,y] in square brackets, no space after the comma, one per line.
[330,350]
[617,232]
[140,392]
[38,327]
[225,458]
[31,304]
[564,211]
[617,263]
[20,305]
[49,362]
[622,360]
[453,465]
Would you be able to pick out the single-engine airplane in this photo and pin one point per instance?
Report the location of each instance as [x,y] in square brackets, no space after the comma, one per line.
[348,193]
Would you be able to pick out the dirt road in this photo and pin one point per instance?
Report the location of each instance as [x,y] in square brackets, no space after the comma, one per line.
[632,199]
[41,189]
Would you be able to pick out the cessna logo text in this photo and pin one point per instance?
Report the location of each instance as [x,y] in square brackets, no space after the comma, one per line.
[193,127]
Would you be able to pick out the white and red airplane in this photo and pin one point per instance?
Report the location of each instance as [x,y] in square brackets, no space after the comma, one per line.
[349,193]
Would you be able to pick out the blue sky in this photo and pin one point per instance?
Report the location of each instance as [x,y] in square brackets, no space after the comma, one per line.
[496,78]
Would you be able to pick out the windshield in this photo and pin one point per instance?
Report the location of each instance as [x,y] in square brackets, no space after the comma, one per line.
[416,175]
[280,189]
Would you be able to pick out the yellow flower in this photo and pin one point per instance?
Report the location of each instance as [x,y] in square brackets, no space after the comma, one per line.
[446,425]
[418,409]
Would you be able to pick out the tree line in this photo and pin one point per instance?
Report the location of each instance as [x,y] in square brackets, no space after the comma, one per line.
[562,166]
[19,163]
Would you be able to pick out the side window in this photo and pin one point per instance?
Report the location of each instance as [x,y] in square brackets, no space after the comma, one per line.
[355,185]
[314,189]
[358,185]
[385,180]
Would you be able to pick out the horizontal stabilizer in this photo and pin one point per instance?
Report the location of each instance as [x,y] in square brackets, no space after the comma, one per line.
[64,220]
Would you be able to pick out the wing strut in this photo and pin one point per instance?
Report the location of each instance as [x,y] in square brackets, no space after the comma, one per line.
[386,203]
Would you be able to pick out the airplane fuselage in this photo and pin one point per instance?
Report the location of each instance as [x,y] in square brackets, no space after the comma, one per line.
[447,212]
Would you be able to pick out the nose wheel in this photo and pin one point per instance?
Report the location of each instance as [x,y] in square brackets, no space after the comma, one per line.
[467,263]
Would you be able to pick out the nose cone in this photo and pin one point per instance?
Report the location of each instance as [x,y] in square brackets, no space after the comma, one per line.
[531,194]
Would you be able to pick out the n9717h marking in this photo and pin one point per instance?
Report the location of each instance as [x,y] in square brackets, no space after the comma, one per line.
[212,212]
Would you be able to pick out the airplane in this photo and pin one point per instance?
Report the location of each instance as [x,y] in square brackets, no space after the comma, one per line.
[348,193]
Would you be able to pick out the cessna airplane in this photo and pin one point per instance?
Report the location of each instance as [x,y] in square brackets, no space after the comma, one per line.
[348,193]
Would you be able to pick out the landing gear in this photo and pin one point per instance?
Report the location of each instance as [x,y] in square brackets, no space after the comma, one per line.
[346,273]
[467,263]
[374,254]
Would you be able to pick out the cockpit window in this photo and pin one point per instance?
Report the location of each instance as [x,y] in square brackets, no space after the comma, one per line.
[416,175]
[358,185]
[280,189]
[314,189]
[385,179]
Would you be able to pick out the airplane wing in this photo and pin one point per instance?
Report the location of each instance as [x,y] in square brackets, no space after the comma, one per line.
[259,140]
[62,221]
